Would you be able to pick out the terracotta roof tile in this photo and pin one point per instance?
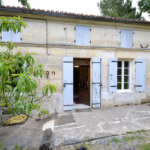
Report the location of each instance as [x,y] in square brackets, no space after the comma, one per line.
[74,14]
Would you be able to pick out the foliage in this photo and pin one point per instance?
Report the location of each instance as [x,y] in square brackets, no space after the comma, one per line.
[21,98]
[144,6]
[119,9]
[17,84]
[23,2]
[12,23]
[1,145]
[145,146]
[5,148]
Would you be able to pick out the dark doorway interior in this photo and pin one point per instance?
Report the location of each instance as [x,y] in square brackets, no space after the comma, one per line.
[82,81]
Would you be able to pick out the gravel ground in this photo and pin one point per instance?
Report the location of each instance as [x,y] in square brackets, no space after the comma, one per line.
[130,141]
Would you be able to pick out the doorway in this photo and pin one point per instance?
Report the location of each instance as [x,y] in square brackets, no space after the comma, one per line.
[81,82]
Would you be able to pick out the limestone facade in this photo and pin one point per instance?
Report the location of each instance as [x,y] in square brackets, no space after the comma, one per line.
[59,34]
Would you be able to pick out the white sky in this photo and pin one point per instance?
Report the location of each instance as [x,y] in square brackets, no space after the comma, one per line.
[77,6]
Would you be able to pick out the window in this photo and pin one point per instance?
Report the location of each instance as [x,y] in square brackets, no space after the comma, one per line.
[123,75]
[81,62]
[82,35]
[126,38]
[11,36]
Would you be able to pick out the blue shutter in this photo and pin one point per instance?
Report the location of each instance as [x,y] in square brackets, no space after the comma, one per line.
[113,74]
[140,75]
[97,82]
[68,83]
[126,38]
[82,35]
[16,37]
[6,36]
[86,37]
[79,35]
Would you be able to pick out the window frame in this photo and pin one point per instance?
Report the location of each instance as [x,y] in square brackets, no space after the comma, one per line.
[122,76]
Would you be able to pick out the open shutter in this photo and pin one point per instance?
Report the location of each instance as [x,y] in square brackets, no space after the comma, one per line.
[68,83]
[16,36]
[113,74]
[6,36]
[140,75]
[97,82]
[126,38]
[79,35]
[86,37]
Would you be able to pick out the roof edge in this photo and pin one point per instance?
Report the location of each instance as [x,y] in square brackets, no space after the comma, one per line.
[71,15]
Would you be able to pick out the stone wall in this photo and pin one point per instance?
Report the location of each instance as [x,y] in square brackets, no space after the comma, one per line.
[105,45]
[101,34]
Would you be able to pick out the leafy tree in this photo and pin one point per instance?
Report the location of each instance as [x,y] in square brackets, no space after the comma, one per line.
[119,9]
[23,2]
[144,6]
[21,98]
[17,85]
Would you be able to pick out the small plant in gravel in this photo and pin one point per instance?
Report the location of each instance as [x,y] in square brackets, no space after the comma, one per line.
[136,132]
[90,143]
[145,147]
[5,148]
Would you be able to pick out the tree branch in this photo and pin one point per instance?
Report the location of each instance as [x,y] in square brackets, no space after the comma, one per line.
[39,98]
[32,96]
[3,85]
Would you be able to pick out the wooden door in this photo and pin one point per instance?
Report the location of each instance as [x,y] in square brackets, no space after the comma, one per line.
[84,85]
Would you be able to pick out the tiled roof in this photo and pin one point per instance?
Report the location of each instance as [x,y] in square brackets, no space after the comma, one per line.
[69,14]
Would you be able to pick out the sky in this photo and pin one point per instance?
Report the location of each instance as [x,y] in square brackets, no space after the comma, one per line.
[76,6]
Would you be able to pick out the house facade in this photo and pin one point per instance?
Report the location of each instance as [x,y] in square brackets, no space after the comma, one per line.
[94,61]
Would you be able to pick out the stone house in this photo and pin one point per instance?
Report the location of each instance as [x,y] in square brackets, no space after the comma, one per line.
[95,61]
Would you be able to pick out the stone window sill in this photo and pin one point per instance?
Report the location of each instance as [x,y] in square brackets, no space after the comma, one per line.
[125,91]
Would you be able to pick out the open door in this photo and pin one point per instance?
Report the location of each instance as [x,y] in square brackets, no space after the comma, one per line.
[84,85]
[68,83]
[97,82]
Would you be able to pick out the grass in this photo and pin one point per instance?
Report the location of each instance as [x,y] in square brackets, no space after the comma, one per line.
[116,140]
[144,102]
[136,132]
[87,144]
[127,139]
[145,147]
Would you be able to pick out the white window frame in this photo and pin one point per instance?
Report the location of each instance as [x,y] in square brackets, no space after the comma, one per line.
[122,86]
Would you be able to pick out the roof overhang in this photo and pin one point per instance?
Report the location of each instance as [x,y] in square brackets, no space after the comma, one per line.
[21,11]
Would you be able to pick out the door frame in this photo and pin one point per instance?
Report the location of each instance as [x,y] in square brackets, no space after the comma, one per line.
[89,64]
